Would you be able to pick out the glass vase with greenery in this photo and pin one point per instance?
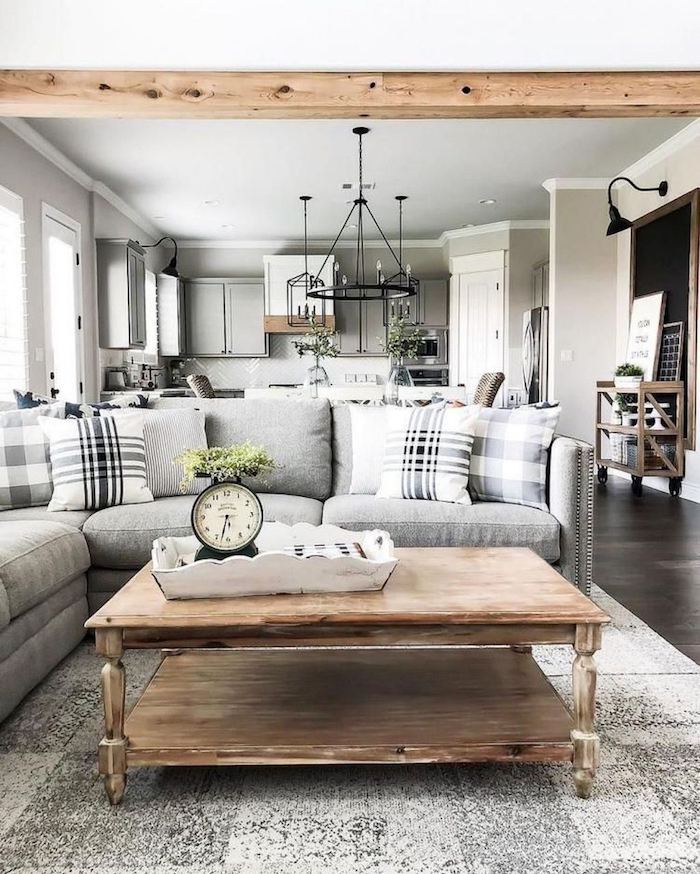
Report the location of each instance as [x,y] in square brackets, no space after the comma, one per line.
[402,341]
[318,341]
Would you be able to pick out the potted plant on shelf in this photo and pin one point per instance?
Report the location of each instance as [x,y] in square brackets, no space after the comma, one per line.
[401,343]
[628,376]
[318,341]
[224,463]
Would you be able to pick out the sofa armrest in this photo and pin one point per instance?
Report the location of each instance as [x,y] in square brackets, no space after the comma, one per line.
[571,503]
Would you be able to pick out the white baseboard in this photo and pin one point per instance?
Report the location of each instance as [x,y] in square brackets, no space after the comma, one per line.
[689,491]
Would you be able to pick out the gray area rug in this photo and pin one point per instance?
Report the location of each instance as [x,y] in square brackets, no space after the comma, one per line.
[644,816]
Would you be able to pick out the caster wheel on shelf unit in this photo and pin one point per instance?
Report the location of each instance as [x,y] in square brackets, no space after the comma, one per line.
[674,486]
[637,486]
[602,475]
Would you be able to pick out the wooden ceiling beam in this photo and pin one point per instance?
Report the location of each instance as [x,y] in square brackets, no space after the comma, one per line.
[187,94]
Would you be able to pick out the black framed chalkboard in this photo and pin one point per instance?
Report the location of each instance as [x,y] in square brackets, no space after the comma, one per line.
[665,247]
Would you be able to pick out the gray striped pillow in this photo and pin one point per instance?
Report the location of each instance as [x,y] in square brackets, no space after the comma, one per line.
[166,434]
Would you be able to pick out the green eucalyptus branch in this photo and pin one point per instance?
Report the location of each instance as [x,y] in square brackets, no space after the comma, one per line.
[400,342]
[318,341]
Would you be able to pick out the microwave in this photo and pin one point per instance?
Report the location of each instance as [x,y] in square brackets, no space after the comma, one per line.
[432,348]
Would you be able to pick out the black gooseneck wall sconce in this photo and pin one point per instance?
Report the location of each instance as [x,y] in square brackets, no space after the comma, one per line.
[617,222]
[171,269]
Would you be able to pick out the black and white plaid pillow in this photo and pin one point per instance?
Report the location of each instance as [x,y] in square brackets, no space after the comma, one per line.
[97,462]
[510,453]
[426,454]
[25,469]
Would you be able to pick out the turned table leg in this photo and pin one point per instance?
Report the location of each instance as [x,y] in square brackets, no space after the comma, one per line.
[584,737]
[112,749]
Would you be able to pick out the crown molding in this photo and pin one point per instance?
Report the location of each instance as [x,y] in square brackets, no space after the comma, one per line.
[40,144]
[494,228]
[664,150]
[321,246]
[315,246]
[585,183]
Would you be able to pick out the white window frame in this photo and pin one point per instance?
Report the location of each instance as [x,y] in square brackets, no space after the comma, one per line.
[15,204]
[50,212]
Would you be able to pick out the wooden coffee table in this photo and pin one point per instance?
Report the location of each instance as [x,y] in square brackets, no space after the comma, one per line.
[435,668]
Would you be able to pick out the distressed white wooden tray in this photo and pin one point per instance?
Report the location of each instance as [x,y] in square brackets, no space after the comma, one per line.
[272,571]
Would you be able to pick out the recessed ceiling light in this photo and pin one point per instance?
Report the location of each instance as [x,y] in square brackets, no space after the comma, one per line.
[212,202]
[470,225]
[226,226]
[158,216]
[487,201]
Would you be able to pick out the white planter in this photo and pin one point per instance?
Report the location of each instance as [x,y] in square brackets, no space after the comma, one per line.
[631,383]
[273,571]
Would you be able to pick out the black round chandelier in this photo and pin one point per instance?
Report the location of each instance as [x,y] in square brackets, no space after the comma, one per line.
[368,282]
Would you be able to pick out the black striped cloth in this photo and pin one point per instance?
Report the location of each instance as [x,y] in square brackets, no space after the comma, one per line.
[97,462]
[427,453]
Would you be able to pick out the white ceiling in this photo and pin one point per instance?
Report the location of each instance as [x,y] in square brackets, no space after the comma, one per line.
[256,169]
[351,35]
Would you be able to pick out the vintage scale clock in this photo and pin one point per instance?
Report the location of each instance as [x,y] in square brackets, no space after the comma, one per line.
[226,519]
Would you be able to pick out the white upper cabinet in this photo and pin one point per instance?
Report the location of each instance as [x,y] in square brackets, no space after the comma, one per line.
[171,315]
[225,317]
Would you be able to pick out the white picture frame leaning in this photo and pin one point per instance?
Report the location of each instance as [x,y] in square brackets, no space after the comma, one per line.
[644,338]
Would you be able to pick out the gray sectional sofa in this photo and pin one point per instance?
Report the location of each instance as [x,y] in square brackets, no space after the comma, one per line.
[54,567]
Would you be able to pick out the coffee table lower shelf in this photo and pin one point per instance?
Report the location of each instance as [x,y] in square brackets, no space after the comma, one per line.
[314,706]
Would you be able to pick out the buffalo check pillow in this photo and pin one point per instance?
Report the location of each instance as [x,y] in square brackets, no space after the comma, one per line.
[426,454]
[510,453]
[25,468]
[97,462]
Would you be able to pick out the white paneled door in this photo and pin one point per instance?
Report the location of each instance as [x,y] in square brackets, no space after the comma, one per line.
[63,306]
[477,324]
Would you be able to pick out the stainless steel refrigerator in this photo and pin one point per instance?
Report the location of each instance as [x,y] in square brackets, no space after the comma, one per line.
[535,354]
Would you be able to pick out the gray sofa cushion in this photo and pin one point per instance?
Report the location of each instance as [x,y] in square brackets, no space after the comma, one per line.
[37,559]
[122,537]
[74,518]
[296,433]
[434,523]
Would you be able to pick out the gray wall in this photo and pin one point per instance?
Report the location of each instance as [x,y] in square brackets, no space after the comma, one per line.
[582,295]
[36,179]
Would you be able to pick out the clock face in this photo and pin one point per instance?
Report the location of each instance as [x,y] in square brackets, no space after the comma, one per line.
[227,517]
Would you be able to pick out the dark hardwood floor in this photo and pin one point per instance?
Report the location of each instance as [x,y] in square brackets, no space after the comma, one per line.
[647,556]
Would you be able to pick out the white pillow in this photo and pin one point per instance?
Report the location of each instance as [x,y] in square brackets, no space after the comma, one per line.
[167,433]
[427,453]
[368,428]
[25,469]
[97,462]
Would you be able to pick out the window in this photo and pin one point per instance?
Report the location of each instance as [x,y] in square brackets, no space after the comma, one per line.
[14,357]
[151,349]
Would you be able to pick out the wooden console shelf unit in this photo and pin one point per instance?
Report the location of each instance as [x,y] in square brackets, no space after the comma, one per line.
[646,438]
[436,667]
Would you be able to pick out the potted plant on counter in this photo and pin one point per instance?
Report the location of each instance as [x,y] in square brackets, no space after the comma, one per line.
[401,343]
[318,341]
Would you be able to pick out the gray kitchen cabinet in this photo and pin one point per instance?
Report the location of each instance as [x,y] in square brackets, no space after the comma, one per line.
[121,294]
[433,303]
[205,318]
[172,339]
[360,327]
[225,318]
[245,318]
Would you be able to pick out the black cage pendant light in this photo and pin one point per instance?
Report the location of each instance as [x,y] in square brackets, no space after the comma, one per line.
[368,282]
[298,287]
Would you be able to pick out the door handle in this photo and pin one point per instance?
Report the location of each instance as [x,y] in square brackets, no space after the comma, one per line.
[54,392]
